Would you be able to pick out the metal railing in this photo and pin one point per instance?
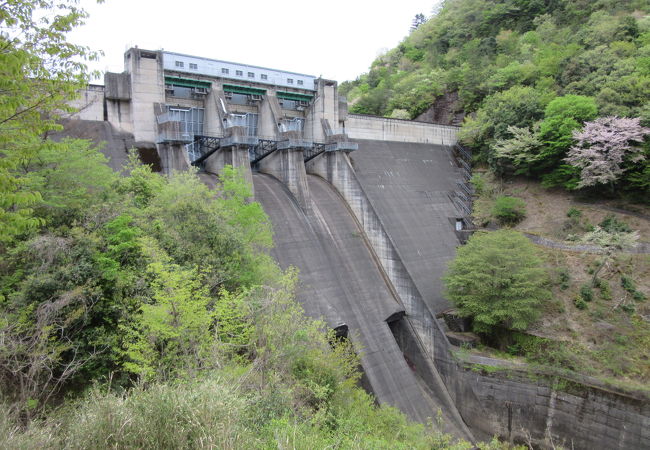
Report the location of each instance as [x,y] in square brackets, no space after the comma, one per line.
[294,143]
[464,152]
[174,136]
[345,146]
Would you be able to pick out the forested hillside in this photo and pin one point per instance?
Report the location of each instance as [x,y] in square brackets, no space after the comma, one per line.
[554,94]
[144,311]
[527,75]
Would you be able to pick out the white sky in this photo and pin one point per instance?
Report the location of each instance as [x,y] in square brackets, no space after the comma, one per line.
[337,39]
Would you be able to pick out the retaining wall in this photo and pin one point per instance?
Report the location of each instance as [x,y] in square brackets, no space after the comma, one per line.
[359,126]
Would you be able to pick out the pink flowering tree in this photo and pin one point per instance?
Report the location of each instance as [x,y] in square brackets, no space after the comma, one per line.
[603,148]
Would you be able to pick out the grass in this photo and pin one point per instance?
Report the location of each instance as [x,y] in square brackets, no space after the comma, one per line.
[223,412]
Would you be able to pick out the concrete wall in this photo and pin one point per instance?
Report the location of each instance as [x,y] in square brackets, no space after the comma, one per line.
[147,89]
[288,166]
[90,104]
[236,156]
[523,406]
[324,106]
[173,158]
[383,129]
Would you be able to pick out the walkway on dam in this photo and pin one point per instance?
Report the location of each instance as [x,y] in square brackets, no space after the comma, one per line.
[338,269]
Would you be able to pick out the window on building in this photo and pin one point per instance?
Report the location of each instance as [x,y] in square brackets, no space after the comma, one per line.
[264,76]
[179,64]
[289,80]
[193,66]
[251,75]
[225,71]
[239,73]
[299,82]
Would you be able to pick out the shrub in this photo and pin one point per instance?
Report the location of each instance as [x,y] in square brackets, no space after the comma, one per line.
[509,210]
[628,284]
[580,303]
[605,290]
[612,225]
[574,213]
[564,278]
[586,293]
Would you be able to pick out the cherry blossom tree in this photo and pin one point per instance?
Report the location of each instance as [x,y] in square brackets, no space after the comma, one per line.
[604,146]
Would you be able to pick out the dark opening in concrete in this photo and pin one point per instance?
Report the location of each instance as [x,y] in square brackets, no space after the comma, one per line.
[149,155]
[407,342]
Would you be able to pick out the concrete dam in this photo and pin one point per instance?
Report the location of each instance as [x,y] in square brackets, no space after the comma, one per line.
[370,210]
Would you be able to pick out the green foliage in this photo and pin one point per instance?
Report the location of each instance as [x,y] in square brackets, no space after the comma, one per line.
[564,278]
[39,72]
[574,213]
[522,151]
[498,280]
[216,413]
[170,337]
[562,116]
[580,303]
[628,283]
[507,61]
[586,293]
[478,182]
[605,289]
[509,210]
[613,225]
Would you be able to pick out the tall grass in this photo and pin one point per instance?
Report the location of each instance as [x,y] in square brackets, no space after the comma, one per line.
[221,412]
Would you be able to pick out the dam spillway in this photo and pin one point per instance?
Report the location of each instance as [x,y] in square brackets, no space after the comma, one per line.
[370,210]
[342,282]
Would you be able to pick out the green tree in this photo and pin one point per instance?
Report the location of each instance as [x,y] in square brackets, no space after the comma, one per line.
[562,116]
[40,71]
[497,280]
[171,337]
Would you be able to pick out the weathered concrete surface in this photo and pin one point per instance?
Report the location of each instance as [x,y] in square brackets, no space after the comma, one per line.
[338,269]
[408,185]
[296,245]
[427,334]
[89,104]
[288,167]
[116,144]
[581,414]
[236,156]
[173,158]
[358,126]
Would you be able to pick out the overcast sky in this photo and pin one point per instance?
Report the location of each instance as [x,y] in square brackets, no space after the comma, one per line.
[337,39]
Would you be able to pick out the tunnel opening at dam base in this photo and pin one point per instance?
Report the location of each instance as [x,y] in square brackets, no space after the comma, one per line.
[407,342]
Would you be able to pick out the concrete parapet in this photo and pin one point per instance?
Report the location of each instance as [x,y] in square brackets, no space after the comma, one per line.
[360,126]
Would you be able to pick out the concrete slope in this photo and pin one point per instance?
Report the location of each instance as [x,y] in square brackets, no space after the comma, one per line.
[408,186]
[338,270]
[296,244]
[116,145]
[367,309]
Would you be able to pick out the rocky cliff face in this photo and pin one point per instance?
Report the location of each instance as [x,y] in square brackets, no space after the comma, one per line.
[446,110]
